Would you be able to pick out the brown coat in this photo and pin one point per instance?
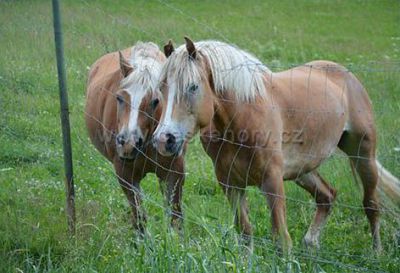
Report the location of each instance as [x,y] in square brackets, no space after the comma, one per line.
[102,122]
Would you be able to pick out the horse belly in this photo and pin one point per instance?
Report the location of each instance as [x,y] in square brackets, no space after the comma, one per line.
[306,147]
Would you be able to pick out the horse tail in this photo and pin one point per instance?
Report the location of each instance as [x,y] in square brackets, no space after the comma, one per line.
[388,184]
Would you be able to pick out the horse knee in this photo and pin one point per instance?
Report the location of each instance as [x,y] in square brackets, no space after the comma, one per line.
[327,197]
[371,205]
[325,194]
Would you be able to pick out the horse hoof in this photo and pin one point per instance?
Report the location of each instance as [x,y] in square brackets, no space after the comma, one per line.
[177,225]
[378,249]
[176,228]
[311,243]
[247,242]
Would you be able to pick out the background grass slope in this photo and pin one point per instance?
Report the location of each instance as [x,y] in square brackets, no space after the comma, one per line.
[363,35]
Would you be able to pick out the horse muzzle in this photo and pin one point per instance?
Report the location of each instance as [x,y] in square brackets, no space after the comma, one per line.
[128,150]
[168,145]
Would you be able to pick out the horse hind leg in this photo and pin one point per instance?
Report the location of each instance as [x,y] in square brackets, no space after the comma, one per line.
[368,172]
[324,195]
[361,150]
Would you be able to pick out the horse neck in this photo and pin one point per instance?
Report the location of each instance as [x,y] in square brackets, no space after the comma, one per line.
[229,113]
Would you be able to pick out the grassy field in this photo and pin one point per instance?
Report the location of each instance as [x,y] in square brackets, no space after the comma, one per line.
[363,35]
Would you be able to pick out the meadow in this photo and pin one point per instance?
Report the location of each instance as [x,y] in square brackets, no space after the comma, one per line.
[363,35]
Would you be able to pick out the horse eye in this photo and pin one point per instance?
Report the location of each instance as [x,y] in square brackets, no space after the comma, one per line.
[120,99]
[154,103]
[193,88]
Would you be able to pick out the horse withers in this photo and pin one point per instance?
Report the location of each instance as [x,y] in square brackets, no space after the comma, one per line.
[264,128]
[123,107]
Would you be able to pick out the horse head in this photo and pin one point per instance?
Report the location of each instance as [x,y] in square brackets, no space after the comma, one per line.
[186,90]
[138,100]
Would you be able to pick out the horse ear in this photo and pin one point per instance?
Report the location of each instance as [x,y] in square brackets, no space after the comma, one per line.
[126,68]
[168,49]
[190,48]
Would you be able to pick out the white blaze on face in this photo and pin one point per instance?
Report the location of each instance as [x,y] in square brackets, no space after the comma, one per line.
[136,93]
[168,112]
[167,125]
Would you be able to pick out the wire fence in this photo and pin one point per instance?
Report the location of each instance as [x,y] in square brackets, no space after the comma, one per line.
[207,174]
[377,67]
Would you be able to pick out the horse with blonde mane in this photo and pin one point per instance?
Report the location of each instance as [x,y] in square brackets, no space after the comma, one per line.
[123,107]
[264,128]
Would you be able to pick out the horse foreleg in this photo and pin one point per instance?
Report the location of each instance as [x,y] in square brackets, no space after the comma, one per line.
[132,193]
[324,196]
[173,195]
[238,203]
[171,187]
[275,195]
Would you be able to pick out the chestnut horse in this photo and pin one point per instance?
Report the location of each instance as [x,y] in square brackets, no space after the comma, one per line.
[122,110]
[264,128]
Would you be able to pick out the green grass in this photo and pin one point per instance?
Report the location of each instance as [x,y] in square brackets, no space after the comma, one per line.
[363,35]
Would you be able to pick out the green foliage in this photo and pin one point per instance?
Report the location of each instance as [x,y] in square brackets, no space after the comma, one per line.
[363,35]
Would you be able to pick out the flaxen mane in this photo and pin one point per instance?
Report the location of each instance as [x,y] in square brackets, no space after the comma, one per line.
[232,70]
[147,66]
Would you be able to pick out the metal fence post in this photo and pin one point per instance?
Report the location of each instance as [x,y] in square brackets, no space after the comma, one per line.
[62,82]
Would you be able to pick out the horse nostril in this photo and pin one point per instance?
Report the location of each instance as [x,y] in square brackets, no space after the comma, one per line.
[120,140]
[171,140]
[139,143]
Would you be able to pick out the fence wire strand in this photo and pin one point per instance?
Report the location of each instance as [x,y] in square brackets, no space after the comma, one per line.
[208,175]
